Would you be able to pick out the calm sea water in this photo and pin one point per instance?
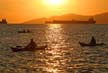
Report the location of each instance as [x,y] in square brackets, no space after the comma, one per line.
[63,55]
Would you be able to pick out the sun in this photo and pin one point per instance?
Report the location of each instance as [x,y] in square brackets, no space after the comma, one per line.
[54,2]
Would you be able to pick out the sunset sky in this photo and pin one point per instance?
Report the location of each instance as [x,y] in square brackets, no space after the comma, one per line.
[17,11]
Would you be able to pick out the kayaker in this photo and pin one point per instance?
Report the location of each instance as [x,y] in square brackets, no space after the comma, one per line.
[93,41]
[31,45]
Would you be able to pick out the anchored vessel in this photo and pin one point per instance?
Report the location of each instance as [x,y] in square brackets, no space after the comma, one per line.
[3,21]
[90,21]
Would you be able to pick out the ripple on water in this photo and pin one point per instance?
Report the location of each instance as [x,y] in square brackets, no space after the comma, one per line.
[63,55]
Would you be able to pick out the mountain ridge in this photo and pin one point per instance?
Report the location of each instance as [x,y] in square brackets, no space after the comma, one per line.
[101,18]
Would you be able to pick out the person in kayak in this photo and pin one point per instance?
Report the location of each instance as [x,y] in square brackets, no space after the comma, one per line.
[93,41]
[31,45]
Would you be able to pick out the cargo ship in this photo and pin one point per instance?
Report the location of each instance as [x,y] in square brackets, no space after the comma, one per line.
[3,21]
[90,21]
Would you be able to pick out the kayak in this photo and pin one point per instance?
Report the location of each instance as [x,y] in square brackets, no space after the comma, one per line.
[85,44]
[17,49]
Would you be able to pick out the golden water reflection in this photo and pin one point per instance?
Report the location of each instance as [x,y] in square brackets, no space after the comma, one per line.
[54,35]
[56,41]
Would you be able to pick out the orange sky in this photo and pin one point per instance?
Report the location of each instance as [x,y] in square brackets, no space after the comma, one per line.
[17,11]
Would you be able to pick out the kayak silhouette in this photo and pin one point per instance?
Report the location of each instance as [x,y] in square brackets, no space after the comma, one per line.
[92,43]
[32,46]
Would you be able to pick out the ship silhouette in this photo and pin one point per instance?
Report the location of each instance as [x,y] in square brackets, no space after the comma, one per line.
[3,21]
[90,21]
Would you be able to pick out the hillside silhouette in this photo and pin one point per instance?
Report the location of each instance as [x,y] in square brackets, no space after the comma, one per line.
[99,18]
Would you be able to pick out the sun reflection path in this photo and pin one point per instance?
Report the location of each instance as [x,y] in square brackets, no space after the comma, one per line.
[54,35]
[56,43]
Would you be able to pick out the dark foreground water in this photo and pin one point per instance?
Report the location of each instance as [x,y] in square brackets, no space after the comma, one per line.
[63,55]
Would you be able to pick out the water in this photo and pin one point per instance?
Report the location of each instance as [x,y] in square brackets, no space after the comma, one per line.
[63,55]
